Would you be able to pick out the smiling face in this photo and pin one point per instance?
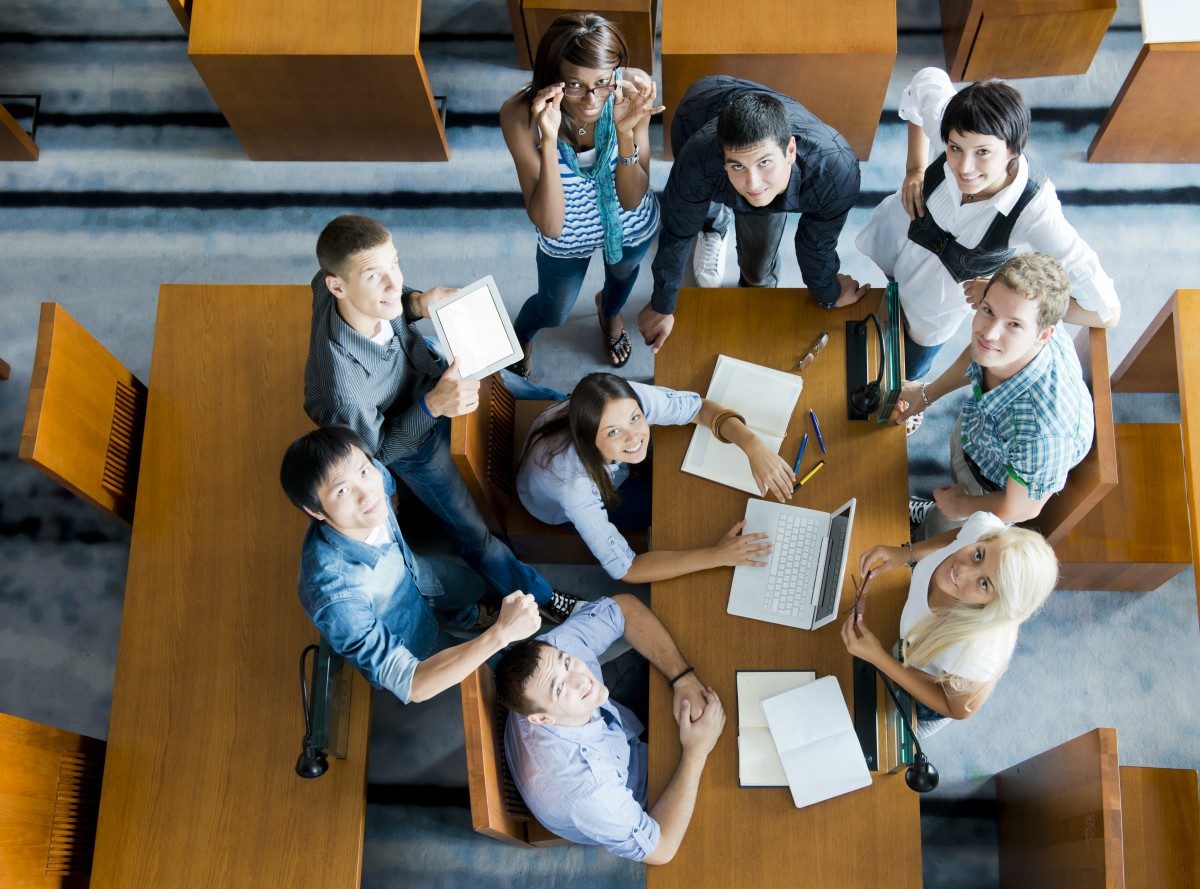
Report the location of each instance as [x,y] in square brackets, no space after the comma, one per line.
[968,574]
[761,172]
[352,496]
[979,163]
[1004,332]
[370,290]
[586,108]
[563,690]
[623,434]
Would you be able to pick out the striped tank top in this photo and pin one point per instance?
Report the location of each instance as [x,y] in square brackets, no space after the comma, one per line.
[583,232]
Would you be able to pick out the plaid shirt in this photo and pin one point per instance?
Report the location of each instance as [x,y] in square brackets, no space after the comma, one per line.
[1034,426]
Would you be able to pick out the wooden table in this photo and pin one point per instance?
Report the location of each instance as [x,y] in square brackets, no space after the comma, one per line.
[1166,358]
[199,788]
[756,837]
[319,81]
[834,58]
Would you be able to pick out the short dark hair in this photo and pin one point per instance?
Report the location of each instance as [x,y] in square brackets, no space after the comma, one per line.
[309,460]
[990,108]
[753,118]
[513,671]
[345,236]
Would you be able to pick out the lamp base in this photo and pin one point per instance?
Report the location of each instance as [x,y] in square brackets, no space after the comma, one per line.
[856,364]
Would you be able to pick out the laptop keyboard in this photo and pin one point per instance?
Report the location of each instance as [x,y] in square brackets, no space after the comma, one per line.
[791,586]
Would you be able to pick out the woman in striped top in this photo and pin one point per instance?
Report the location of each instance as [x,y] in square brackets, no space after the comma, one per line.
[579,135]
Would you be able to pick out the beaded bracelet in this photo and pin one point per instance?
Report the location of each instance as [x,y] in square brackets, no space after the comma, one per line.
[912,562]
[680,676]
[925,396]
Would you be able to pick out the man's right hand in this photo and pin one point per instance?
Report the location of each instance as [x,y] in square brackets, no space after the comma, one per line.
[452,396]
[655,327]
[700,737]
[519,618]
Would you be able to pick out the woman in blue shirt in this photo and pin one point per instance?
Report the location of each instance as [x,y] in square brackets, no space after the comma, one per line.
[579,454]
[579,135]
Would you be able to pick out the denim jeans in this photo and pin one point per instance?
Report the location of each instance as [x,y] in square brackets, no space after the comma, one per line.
[559,281]
[917,358]
[431,474]
[758,239]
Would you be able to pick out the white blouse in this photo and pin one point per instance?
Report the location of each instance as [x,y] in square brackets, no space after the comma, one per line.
[934,303]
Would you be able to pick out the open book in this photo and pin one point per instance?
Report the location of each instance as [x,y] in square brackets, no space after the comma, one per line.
[758,760]
[765,397]
[820,753]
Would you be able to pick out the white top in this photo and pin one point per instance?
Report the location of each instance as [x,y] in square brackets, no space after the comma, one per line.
[562,491]
[1170,21]
[381,535]
[934,303]
[983,658]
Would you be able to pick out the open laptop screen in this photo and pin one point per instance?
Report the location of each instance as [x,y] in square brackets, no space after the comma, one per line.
[835,554]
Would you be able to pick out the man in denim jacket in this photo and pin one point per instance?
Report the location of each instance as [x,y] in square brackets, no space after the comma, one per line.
[371,597]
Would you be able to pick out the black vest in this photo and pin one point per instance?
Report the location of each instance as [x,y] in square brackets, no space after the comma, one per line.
[991,252]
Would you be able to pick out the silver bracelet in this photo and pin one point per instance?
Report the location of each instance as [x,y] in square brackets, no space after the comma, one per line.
[629,161]
[925,396]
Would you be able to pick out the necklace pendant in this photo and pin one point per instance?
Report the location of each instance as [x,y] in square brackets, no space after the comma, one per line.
[583,131]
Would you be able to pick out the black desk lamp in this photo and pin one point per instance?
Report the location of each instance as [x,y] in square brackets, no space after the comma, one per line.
[865,399]
[313,763]
[921,775]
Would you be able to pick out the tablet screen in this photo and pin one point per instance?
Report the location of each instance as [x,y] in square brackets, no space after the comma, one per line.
[474,331]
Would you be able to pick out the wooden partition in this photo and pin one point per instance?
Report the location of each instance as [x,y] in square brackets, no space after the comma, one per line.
[15,143]
[634,18]
[83,424]
[49,794]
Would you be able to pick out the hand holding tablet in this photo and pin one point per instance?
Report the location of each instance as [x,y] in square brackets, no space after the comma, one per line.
[473,327]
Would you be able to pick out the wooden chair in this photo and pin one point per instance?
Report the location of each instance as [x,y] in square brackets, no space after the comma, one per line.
[486,447]
[49,800]
[1096,475]
[497,809]
[86,412]
[1073,816]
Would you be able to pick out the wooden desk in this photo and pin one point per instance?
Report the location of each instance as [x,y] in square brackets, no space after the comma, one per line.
[633,18]
[1166,358]
[757,837]
[834,58]
[318,81]
[199,788]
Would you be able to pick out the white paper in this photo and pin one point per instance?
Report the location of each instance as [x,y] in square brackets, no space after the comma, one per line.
[474,331]
[758,760]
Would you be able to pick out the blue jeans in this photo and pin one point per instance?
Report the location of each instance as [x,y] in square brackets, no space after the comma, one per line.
[431,474]
[559,281]
[917,358]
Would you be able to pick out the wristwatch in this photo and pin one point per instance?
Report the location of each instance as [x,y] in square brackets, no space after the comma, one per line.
[629,161]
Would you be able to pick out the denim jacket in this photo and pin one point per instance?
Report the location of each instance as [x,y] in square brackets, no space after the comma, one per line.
[371,603]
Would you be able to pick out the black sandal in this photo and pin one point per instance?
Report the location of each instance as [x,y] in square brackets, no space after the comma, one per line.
[523,366]
[615,345]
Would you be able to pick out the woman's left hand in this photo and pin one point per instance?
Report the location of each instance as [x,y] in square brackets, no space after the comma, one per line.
[635,102]
[771,472]
[860,641]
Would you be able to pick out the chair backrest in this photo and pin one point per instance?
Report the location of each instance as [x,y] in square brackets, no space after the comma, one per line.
[481,444]
[497,809]
[86,414]
[1096,475]
[49,802]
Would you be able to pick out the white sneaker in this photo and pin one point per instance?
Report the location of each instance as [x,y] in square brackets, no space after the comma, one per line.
[708,262]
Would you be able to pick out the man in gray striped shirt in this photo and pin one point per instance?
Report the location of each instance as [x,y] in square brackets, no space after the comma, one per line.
[369,369]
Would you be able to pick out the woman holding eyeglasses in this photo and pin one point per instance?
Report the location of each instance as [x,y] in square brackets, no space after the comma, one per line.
[579,135]
[971,589]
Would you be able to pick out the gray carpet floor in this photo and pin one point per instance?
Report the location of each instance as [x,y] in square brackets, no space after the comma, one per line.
[141,183]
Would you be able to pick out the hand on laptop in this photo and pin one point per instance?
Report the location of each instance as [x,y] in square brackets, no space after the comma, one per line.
[699,737]
[452,396]
[735,548]
[860,641]
[691,690]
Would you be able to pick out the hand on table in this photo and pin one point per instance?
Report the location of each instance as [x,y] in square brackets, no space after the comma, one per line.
[655,327]
[700,736]
[689,689]
[851,291]
[452,396]
[771,472]
[910,400]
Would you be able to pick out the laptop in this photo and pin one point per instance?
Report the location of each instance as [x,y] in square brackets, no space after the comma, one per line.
[802,585]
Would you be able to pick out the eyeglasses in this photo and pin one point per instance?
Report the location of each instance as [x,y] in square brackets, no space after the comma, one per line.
[860,587]
[813,351]
[578,92]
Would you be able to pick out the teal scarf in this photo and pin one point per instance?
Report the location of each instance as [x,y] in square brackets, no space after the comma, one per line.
[606,186]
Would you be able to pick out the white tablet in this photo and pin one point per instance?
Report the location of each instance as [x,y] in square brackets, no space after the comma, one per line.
[473,326]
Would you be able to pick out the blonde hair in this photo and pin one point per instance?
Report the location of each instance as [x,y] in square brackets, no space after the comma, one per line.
[1040,278]
[1027,574]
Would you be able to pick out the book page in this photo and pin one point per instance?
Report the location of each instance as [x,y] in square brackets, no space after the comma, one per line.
[758,760]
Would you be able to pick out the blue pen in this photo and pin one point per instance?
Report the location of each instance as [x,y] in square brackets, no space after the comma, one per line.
[817,426]
[800,456]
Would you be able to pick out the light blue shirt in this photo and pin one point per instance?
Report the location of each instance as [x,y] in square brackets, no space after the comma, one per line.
[1035,425]
[557,489]
[586,783]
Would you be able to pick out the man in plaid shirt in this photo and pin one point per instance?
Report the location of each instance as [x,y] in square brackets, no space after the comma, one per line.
[1029,416]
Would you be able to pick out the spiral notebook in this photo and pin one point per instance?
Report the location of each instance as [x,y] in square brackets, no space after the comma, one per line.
[765,397]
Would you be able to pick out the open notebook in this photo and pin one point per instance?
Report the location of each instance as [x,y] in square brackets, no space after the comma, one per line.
[758,760]
[817,745]
[765,397]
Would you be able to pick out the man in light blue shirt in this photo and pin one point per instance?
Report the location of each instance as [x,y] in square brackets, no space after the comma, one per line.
[576,756]
[1029,418]
[374,600]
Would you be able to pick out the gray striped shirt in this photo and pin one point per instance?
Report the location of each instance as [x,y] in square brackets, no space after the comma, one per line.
[374,389]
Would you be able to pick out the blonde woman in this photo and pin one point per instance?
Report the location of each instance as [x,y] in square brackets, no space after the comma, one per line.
[971,589]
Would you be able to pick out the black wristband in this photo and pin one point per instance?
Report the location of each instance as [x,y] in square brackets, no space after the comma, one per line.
[680,676]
